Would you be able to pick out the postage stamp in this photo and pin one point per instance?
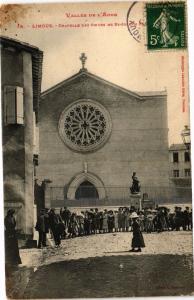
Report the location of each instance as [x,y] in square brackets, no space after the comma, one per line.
[166,28]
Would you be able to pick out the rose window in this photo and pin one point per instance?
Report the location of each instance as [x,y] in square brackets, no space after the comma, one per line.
[85,125]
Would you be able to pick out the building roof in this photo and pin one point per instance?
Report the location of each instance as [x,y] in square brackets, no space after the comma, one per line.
[84,72]
[176,147]
[37,59]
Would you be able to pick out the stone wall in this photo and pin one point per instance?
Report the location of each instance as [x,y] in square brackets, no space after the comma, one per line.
[16,70]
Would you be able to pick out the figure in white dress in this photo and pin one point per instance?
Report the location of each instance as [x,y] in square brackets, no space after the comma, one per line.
[162,23]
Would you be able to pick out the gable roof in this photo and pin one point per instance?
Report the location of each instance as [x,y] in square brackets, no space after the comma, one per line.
[84,72]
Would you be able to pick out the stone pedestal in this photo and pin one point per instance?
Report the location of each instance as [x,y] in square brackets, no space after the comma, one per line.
[135,201]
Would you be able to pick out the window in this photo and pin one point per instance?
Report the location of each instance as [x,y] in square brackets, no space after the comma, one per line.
[187,172]
[175,157]
[187,156]
[85,125]
[176,173]
[13,105]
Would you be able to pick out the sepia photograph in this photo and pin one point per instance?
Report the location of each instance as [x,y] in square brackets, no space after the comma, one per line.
[96,146]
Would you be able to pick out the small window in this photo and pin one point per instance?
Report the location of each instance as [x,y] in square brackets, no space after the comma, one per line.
[175,157]
[13,105]
[176,173]
[187,172]
[187,156]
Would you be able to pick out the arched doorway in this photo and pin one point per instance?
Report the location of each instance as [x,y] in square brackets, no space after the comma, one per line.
[82,179]
[86,190]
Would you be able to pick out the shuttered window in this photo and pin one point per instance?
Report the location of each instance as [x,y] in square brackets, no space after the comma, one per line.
[13,105]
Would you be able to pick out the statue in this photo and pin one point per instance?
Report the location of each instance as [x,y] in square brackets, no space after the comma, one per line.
[135,188]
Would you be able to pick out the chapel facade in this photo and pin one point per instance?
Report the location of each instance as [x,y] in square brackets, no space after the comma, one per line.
[94,135]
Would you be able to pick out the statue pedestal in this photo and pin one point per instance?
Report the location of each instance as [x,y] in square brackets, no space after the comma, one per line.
[135,201]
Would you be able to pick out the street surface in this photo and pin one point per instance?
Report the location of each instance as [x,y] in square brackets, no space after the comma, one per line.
[101,266]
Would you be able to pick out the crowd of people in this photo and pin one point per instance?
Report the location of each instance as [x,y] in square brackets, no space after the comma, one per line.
[67,224]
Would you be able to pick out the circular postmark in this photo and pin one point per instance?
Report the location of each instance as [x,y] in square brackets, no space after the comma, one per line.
[135,20]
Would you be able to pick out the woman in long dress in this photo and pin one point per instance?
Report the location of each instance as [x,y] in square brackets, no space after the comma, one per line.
[120,219]
[141,221]
[110,221]
[137,240]
[126,219]
[116,223]
[105,221]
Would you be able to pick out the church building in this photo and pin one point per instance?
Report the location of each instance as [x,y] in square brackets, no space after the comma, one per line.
[93,135]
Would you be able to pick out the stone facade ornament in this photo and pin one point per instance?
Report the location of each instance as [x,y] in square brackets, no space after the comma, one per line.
[83,59]
[85,125]
[85,167]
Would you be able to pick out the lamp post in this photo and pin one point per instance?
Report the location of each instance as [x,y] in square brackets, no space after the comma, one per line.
[185,134]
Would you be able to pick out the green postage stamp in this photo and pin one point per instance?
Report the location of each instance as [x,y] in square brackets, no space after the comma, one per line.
[166,28]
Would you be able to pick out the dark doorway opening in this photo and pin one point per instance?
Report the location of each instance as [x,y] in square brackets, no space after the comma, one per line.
[86,190]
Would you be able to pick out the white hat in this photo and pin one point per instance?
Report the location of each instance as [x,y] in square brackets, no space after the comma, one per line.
[134,215]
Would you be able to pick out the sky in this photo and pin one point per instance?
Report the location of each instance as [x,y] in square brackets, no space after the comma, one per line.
[112,52]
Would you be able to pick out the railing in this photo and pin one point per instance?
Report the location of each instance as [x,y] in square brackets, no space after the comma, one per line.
[89,202]
[120,196]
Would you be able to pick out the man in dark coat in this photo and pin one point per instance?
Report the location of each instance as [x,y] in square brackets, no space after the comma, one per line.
[55,226]
[87,228]
[12,256]
[137,240]
[92,220]
[186,219]
[42,228]
[66,214]
[190,220]
[178,218]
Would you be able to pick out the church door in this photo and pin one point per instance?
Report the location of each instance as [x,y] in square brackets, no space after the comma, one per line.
[86,191]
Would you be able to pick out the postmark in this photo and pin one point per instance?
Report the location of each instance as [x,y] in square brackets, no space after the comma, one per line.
[135,20]
[166,28]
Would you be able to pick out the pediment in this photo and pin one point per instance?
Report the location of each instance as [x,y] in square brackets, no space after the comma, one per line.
[83,74]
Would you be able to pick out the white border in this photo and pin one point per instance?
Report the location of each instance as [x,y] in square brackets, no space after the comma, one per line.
[190,11]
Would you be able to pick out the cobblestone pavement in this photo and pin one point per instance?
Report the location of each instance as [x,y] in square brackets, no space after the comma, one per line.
[63,272]
[109,244]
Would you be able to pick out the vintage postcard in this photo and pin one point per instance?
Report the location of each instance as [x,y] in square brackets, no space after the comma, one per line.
[96,150]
